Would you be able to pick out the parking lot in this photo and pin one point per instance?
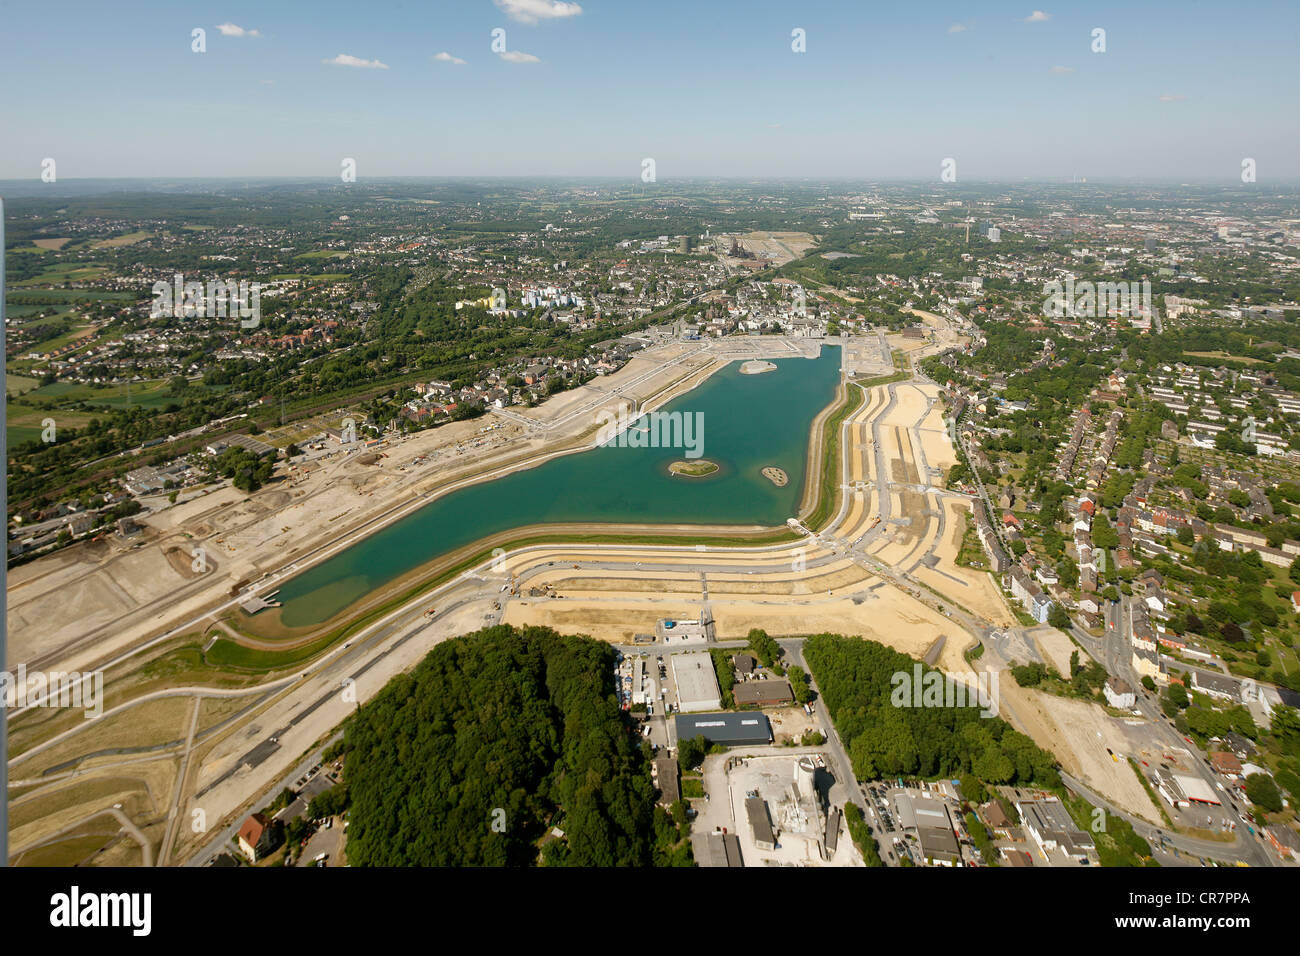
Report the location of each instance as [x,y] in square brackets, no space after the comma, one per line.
[884,827]
[326,841]
[645,678]
[897,841]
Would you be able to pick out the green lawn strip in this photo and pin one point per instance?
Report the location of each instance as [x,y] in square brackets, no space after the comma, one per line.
[230,654]
[830,476]
[889,379]
[1146,785]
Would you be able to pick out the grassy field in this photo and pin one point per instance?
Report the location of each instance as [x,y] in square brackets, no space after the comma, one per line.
[151,394]
[900,376]
[23,311]
[323,277]
[1225,357]
[17,435]
[18,384]
[23,423]
[67,295]
[130,239]
[65,272]
[58,341]
[323,254]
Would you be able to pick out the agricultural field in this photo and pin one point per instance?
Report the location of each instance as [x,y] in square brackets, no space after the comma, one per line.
[65,272]
[323,277]
[324,254]
[18,384]
[129,239]
[154,394]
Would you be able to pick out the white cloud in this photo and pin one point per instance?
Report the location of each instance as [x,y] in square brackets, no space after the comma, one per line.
[1172,98]
[343,59]
[514,56]
[445,57]
[1038,16]
[1062,70]
[530,11]
[232,30]
[958,28]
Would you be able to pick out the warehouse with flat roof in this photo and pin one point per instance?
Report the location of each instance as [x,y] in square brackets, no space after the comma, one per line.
[720,849]
[696,681]
[760,823]
[729,730]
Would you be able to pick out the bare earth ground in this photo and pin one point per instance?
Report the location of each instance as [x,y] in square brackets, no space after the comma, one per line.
[78,593]
[1079,732]
[1057,648]
[128,593]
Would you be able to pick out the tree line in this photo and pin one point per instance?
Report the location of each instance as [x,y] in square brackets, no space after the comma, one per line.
[496,740]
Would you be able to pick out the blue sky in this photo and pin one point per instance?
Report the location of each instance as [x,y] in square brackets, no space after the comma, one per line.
[1184,90]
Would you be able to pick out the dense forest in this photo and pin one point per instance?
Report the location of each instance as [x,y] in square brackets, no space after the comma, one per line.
[853,676]
[494,738]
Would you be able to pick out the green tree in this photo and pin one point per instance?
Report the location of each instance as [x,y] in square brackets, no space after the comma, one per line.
[767,650]
[513,726]
[1263,792]
[691,752]
[799,684]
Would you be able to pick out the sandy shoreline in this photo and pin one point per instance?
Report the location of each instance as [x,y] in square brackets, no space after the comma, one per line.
[66,609]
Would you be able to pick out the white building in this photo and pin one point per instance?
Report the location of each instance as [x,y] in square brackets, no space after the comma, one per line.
[1119,694]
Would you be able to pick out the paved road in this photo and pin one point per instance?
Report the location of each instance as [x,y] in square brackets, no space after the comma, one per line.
[842,766]
[146,848]
[1250,850]
[1114,651]
[480,586]
[221,842]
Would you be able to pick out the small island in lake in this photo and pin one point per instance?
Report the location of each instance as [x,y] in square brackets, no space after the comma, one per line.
[776,476]
[756,367]
[700,468]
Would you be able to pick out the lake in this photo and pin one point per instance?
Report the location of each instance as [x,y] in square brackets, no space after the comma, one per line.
[748,422]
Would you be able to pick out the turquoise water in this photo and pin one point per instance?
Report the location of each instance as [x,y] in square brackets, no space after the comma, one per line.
[749,422]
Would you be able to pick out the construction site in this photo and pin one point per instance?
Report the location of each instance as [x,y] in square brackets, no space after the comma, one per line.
[200,720]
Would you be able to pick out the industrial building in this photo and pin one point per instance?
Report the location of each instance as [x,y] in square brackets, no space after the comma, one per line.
[247,442]
[760,823]
[729,730]
[779,803]
[1182,790]
[720,849]
[667,780]
[929,817]
[831,840]
[1050,825]
[763,693]
[639,681]
[696,682]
